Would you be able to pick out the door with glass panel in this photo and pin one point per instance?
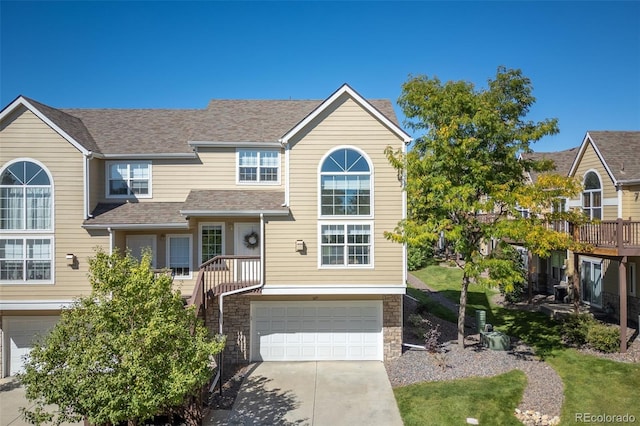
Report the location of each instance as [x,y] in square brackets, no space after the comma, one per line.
[591,282]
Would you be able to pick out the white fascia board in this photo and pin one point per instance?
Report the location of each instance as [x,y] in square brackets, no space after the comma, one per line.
[583,147]
[362,101]
[35,305]
[149,156]
[246,144]
[244,213]
[22,101]
[334,289]
[134,226]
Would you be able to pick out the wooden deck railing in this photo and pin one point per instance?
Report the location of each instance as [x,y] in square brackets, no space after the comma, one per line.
[620,234]
[225,273]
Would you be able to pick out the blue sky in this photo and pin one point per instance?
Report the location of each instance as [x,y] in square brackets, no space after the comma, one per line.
[583,57]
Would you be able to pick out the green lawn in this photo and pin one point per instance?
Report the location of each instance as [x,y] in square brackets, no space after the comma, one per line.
[490,400]
[433,307]
[592,385]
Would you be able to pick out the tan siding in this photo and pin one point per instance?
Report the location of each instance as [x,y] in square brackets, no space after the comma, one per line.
[97,183]
[590,161]
[25,136]
[349,125]
[631,203]
[215,168]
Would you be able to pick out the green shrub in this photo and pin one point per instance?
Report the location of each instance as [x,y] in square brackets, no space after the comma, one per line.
[575,328]
[418,257]
[603,337]
[415,320]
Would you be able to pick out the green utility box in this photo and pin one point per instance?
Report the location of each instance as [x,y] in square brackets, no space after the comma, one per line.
[495,340]
[481,319]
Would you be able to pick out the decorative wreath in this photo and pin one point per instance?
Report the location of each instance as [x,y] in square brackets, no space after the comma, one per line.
[251,240]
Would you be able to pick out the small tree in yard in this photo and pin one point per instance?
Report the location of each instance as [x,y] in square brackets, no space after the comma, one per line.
[465,180]
[125,353]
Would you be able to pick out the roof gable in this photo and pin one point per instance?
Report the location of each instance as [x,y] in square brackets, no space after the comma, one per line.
[69,127]
[618,151]
[327,103]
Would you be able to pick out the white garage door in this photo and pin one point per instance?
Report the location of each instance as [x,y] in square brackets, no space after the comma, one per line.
[20,334]
[316,331]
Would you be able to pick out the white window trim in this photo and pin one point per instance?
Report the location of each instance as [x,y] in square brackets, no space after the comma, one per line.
[371,263]
[53,198]
[168,239]
[257,181]
[592,261]
[53,259]
[371,187]
[202,225]
[590,192]
[129,196]
[632,271]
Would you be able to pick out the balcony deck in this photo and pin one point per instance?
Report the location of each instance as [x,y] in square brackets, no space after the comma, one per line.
[611,238]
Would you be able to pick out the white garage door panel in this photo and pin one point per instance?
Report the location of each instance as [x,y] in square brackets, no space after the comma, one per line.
[21,332]
[301,331]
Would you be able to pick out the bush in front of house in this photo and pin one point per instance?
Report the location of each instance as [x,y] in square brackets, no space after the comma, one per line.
[603,338]
[575,328]
[418,256]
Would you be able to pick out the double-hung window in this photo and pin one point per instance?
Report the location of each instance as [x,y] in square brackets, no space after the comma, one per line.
[211,241]
[127,179]
[258,166]
[179,255]
[26,224]
[345,210]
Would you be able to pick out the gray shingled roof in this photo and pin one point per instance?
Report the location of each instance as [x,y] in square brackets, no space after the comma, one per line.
[174,214]
[164,131]
[151,213]
[233,202]
[561,159]
[71,125]
[621,152]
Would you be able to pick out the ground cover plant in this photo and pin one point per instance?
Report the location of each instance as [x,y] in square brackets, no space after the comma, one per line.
[489,400]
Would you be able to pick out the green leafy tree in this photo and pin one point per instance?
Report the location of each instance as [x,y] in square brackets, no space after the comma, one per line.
[465,179]
[128,351]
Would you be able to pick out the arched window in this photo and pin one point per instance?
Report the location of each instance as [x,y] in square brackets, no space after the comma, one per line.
[26,215]
[592,196]
[345,200]
[345,184]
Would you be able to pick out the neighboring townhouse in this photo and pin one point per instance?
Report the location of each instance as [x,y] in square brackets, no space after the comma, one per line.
[269,214]
[608,165]
[548,274]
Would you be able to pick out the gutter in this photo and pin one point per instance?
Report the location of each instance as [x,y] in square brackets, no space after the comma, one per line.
[134,226]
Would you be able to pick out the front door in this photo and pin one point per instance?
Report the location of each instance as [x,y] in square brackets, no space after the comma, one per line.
[248,239]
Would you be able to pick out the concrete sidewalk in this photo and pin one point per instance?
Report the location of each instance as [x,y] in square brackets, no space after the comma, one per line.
[315,393]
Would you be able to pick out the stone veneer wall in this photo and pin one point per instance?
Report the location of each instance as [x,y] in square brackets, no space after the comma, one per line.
[633,305]
[237,326]
[392,325]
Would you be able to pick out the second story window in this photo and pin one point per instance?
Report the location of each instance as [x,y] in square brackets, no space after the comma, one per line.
[345,184]
[25,198]
[258,166]
[26,223]
[592,196]
[129,179]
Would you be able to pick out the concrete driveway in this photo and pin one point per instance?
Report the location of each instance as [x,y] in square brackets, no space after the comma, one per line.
[316,393]
[12,398]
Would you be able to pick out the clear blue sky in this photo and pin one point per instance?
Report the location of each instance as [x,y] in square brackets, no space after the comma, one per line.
[583,57]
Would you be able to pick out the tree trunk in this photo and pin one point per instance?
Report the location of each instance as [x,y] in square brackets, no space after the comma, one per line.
[463,307]
[193,411]
[529,275]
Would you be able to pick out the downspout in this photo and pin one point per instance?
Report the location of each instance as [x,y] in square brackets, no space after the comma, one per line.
[619,191]
[87,183]
[111,238]
[232,292]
